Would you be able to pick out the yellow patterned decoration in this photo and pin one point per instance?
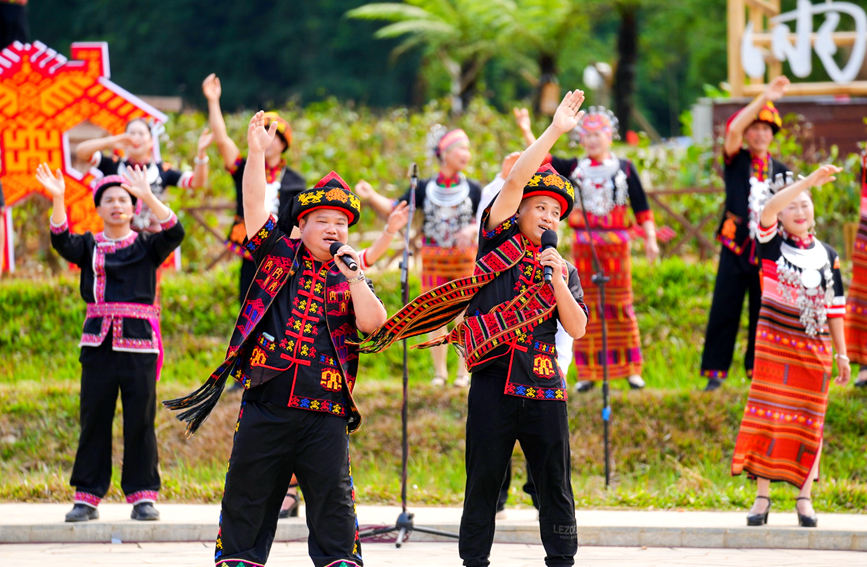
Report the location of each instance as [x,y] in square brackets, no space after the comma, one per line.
[42,97]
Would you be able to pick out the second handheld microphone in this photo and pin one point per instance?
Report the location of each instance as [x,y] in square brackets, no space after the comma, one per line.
[548,240]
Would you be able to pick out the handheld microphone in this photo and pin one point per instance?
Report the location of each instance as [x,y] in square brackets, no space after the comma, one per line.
[350,263]
[549,240]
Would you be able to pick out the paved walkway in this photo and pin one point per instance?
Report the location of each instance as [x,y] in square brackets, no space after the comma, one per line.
[418,554]
[43,523]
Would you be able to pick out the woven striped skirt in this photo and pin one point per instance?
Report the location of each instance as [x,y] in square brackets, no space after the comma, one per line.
[781,430]
[624,343]
[442,265]
[856,300]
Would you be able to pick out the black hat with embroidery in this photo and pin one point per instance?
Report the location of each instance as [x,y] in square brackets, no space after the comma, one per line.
[331,192]
[546,181]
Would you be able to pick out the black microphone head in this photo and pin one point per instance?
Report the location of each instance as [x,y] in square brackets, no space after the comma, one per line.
[414,170]
[549,239]
[335,246]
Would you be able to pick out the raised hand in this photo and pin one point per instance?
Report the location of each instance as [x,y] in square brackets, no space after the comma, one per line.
[823,174]
[569,112]
[508,162]
[777,87]
[258,139]
[137,182]
[397,218]
[54,184]
[211,87]
[522,118]
[205,140]
[364,190]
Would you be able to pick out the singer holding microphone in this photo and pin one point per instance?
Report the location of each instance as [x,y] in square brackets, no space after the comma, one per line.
[291,351]
[517,391]
[121,348]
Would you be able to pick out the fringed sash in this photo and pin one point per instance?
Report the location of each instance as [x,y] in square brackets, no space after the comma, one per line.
[477,336]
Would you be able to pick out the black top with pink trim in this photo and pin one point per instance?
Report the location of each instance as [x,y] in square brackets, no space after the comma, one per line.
[530,363]
[118,281]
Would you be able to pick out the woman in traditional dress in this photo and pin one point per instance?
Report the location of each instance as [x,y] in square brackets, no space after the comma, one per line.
[856,301]
[449,202]
[136,147]
[801,316]
[607,184]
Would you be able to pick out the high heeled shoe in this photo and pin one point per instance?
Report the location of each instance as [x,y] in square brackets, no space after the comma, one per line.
[803,520]
[292,510]
[759,519]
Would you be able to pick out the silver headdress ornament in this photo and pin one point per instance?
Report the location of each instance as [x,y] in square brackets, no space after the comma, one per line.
[595,118]
[761,192]
[434,135]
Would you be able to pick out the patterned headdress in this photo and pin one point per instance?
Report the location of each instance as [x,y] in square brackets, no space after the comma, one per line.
[548,182]
[103,183]
[597,119]
[767,114]
[283,128]
[331,192]
[440,138]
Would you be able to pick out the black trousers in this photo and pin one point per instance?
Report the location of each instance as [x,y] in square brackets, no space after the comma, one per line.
[104,372]
[528,487]
[494,422]
[735,277]
[271,442]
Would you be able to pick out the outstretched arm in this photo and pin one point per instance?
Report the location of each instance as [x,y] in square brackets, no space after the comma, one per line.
[200,173]
[821,175]
[739,124]
[85,150]
[565,118]
[397,219]
[379,203]
[212,90]
[522,118]
[253,184]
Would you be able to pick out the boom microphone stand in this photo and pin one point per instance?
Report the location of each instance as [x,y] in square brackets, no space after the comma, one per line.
[404,525]
[599,278]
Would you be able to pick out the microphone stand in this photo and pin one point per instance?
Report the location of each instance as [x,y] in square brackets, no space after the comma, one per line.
[404,524]
[599,278]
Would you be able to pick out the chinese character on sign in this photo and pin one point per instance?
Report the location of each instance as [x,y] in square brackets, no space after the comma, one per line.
[798,54]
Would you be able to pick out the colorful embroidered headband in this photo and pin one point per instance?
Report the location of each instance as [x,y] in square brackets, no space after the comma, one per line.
[548,182]
[598,119]
[103,183]
[767,114]
[331,192]
[440,138]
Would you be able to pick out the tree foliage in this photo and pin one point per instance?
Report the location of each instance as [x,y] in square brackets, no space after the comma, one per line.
[394,53]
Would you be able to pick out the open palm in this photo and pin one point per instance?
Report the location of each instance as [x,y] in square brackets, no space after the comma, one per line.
[568,113]
[54,184]
[258,138]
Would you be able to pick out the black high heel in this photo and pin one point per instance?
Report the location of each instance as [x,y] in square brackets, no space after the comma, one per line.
[803,520]
[292,510]
[759,519]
